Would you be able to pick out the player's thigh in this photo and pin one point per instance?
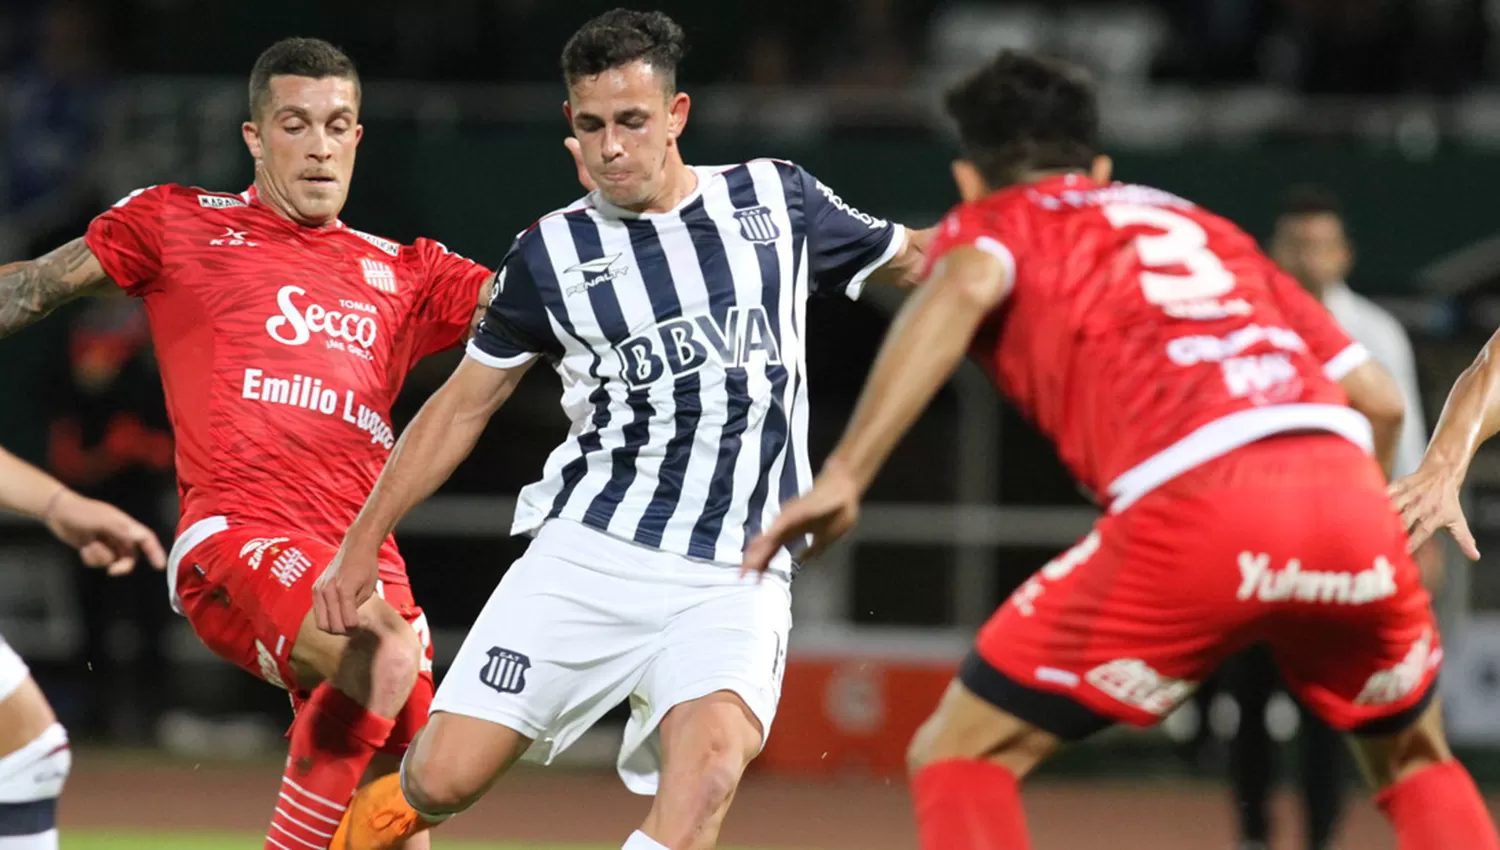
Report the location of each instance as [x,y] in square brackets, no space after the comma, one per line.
[24,710]
[967,726]
[557,645]
[1410,743]
[723,649]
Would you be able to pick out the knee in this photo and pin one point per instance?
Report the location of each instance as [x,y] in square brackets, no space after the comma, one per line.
[919,751]
[723,751]
[393,650]
[435,790]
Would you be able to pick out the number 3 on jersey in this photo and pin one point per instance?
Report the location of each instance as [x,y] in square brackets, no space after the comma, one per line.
[1182,243]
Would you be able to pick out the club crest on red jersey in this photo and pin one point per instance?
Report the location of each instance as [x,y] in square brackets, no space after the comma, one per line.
[379,275]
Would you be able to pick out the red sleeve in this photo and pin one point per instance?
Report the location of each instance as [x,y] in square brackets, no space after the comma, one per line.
[452,295]
[127,238]
[1326,340]
[970,226]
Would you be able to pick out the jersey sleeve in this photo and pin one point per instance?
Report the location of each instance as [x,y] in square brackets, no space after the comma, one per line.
[127,238]
[966,226]
[515,328]
[452,295]
[844,245]
[1325,339]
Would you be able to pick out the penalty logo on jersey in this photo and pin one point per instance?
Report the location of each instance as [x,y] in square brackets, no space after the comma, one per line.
[757,225]
[505,671]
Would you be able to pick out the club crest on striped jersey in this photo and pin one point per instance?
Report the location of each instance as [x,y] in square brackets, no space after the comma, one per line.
[757,225]
[595,272]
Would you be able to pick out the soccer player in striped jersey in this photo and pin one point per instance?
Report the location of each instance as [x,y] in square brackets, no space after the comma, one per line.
[672,301]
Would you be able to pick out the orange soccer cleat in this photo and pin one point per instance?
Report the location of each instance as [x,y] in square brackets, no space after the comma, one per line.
[378,818]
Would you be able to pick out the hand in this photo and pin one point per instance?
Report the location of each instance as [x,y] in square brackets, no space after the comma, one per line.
[1428,500]
[583,173]
[828,511]
[346,584]
[104,535]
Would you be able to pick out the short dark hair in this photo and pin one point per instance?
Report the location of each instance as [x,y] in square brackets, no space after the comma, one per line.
[1022,113]
[298,57]
[621,36]
[1310,199]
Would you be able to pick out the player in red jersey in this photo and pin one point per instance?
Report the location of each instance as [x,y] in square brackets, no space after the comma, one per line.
[1196,390]
[284,337]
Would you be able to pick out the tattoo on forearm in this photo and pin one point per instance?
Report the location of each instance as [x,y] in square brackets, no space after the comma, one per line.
[31,290]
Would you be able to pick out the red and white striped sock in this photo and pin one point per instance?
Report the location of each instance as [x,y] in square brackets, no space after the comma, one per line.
[333,740]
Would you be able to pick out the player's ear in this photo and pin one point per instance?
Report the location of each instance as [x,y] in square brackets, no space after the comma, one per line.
[568,113]
[971,183]
[677,114]
[251,133]
[1103,170]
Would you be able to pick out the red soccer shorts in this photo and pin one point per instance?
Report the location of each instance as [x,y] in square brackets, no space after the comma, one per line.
[246,591]
[1289,541]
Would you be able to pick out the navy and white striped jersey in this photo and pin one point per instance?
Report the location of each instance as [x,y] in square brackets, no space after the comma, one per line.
[679,337]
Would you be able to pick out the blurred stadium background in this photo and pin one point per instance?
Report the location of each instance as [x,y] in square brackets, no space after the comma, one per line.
[1393,104]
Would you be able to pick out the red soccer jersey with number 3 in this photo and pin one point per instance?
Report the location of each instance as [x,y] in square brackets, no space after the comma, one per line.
[1144,335]
[282,349]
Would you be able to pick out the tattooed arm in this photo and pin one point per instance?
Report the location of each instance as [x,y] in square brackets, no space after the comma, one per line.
[32,289]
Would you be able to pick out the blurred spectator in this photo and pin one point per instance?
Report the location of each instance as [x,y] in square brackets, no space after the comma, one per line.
[54,129]
[110,440]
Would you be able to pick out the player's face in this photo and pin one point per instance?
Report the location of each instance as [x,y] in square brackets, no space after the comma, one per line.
[627,125]
[1313,248]
[304,143]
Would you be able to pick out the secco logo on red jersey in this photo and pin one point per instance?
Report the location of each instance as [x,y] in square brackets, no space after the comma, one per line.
[354,324]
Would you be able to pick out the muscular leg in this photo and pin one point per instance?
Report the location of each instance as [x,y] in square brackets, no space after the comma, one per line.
[1427,795]
[451,764]
[966,765]
[34,760]
[706,745]
[359,685]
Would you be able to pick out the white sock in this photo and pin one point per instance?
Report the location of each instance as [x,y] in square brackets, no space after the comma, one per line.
[641,841]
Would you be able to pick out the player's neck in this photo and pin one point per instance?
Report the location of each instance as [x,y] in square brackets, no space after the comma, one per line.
[679,181]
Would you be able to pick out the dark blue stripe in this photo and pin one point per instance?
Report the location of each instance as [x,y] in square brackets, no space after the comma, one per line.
[773,437]
[552,294]
[657,277]
[714,264]
[687,405]
[31,818]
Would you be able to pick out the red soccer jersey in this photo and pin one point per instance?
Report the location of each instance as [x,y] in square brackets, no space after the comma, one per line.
[1144,335]
[282,349]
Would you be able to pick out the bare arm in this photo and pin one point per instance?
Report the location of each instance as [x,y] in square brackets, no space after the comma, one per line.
[24,489]
[1471,415]
[438,439]
[104,535]
[926,343]
[30,290]
[1373,392]
[1428,499]
[905,269]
